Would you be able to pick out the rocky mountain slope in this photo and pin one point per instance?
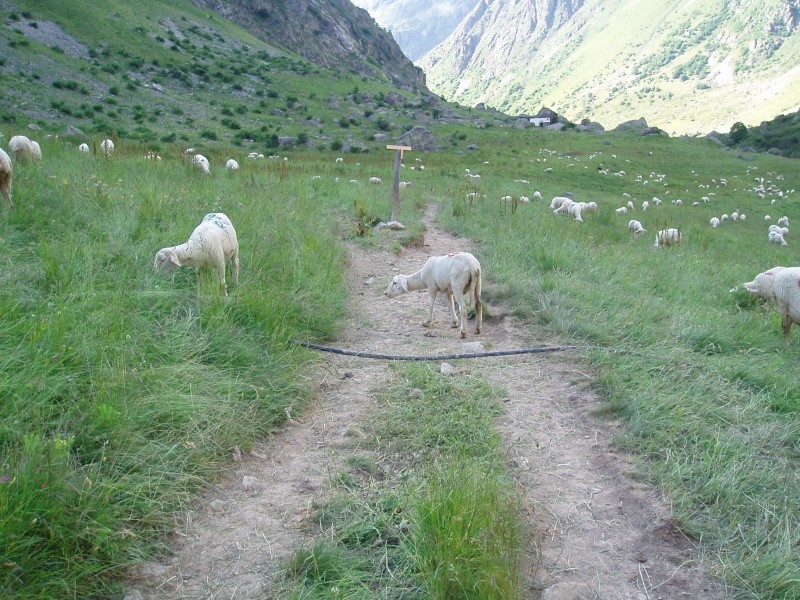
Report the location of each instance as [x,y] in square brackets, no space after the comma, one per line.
[329,33]
[418,25]
[686,66]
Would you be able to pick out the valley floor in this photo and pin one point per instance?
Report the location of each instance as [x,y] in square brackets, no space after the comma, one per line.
[597,530]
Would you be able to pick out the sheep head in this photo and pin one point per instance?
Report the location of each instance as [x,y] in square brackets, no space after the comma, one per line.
[398,285]
[166,260]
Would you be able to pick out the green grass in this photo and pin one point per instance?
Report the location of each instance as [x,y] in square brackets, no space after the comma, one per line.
[702,376]
[125,390]
[441,522]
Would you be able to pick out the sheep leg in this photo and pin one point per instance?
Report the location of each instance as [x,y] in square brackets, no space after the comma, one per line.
[432,296]
[455,314]
[235,268]
[786,325]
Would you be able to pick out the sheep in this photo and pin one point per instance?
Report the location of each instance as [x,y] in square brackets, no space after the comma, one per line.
[635,226]
[776,237]
[339,160]
[457,274]
[202,163]
[564,207]
[575,210]
[621,210]
[786,291]
[724,217]
[212,243]
[232,164]
[506,199]
[21,148]
[714,222]
[557,201]
[668,237]
[537,194]
[590,207]
[645,205]
[761,285]
[84,147]
[524,200]
[630,205]
[767,217]
[6,175]
[107,146]
[784,220]
[375,180]
[742,217]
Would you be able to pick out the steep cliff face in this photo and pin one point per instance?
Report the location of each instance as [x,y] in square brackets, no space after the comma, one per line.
[690,66]
[418,25]
[331,33]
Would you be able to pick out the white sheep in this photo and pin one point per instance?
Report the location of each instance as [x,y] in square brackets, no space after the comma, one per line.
[232,164]
[107,146]
[375,180]
[668,237]
[575,210]
[621,210]
[786,290]
[506,199]
[630,205]
[84,147]
[564,207]
[557,201]
[202,163]
[339,160]
[590,207]
[714,222]
[776,237]
[724,217]
[457,274]
[6,175]
[212,243]
[537,194]
[524,200]
[761,285]
[645,205]
[635,226]
[784,220]
[21,148]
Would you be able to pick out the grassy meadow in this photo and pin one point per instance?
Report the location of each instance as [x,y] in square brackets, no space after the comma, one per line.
[124,390]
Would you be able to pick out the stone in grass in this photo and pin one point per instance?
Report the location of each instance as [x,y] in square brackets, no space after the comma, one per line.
[395,225]
[447,369]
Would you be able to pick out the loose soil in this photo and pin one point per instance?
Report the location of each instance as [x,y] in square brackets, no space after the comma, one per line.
[597,530]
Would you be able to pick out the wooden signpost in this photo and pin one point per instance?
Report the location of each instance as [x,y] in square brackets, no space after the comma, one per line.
[398,155]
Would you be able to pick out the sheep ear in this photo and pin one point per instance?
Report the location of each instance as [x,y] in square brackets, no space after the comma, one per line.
[404,284]
[173,258]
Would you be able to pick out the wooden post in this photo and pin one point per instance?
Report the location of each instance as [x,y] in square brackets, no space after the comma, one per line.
[398,155]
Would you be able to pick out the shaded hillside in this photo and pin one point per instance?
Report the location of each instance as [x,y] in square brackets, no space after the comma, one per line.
[687,67]
[330,33]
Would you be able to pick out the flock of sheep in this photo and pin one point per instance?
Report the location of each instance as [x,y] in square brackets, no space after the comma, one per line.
[214,243]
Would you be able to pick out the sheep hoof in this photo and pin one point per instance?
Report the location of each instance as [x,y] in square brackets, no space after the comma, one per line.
[454,324]
[426,323]
[463,334]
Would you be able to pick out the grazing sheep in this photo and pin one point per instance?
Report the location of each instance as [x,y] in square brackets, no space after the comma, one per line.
[232,165]
[84,147]
[635,226]
[645,205]
[575,210]
[6,175]
[339,160]
[557,201]
[212,243]
[506,199]
[537,194]
[767,217]
[202,163]
[375,180]
[724,217]
[107,146]
[742,217]
[714,222]
[457,274]
[761,285]
[564,207]
[621,210]
[776,237]
[786,290]
[783,220]
[630,205]
[524,200]
[591,207]
[668,237]
[21,148]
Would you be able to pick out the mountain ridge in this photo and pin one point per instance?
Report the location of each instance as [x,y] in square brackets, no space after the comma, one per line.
[688,67]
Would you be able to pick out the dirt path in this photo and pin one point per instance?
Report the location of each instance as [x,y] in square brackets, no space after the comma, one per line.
[602,533]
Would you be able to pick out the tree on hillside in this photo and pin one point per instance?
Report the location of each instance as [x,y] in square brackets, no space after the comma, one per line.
[738,132]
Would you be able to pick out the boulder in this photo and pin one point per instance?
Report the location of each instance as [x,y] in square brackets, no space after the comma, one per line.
[419,138]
